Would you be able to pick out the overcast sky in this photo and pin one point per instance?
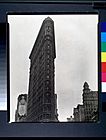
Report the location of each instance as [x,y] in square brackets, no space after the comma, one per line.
[75,63]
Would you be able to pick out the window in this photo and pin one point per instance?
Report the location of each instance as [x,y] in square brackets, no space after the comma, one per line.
[48,66]
[47,82]
[48,51]
[48,37]
[47,76]
[47,116]
[48,46]
[47,97]
[48,71]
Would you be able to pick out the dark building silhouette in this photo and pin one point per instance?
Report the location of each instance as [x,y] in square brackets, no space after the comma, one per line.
[42,100]
[21,111]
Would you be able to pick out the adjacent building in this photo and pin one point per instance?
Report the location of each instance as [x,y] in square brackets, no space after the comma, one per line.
[42,100]
[90,102]
[88,111]
[21,111]
[79,113]
[76,116]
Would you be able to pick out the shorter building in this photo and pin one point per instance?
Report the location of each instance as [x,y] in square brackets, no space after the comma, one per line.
[21,111]
[88,111]
[76,114]
[79,113]
[90,102]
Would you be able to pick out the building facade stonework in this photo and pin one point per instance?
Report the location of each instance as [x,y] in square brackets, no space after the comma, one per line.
[42,100]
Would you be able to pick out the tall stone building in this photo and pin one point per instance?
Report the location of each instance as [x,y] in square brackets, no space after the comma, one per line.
[21,111]
[42,100]
[90,102]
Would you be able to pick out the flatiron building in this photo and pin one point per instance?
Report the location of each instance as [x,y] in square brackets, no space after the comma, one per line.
[42,100]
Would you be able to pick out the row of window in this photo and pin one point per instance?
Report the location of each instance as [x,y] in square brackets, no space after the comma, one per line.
[39,110]
[38,86]
[43,117]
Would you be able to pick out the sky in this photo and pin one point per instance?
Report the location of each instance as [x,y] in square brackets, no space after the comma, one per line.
[76,57]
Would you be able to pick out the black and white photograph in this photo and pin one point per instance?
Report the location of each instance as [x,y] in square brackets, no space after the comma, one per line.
[53,68]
